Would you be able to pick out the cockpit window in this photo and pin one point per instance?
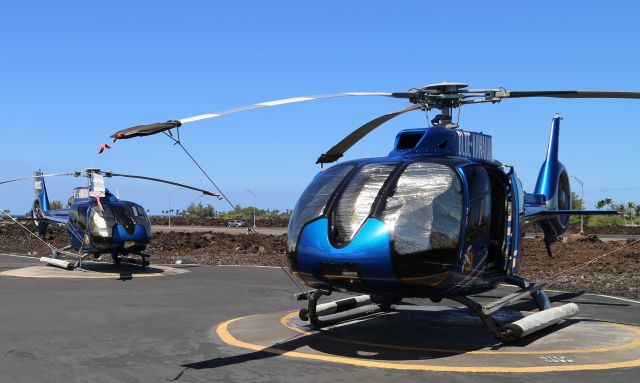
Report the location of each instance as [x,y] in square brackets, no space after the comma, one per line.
[101,221]
[479,203]
[138,211]
[314,199]
[355,203]
[106,211]
[82,217]
[425,209]
[124,216]
[140,218]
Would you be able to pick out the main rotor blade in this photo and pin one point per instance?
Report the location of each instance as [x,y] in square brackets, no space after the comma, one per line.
[570,94]
[146,130]
[341,147]
[205,192]
[76,174]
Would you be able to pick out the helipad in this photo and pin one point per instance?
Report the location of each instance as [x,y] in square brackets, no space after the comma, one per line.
[438,338]
[131,329]
[94,270]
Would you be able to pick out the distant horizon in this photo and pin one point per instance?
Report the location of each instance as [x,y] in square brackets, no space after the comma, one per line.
[224,203]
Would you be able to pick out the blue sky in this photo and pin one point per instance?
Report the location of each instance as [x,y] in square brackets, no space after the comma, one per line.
[72,73]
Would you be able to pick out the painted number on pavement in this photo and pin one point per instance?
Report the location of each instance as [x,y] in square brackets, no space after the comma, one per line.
[556,359]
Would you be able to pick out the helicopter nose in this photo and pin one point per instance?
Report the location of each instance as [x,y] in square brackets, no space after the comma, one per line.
[366,258]
[138,234]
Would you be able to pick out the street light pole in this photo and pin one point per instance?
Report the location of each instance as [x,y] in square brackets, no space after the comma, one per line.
[582,198]
[254,206]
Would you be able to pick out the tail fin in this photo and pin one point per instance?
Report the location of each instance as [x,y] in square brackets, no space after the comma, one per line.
[40,191]
[548,177]
[553,184]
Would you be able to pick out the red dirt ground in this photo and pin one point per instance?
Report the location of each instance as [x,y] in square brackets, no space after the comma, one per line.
[616,274]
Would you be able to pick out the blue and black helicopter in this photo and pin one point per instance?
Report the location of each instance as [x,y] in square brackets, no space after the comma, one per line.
[97,221]
[437,218]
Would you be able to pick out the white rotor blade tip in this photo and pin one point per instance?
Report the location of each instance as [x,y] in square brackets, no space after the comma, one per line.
[368,94]
[285,101]
[198,118]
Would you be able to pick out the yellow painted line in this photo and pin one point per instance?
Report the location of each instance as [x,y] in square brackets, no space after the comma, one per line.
[223,333]
[79,276]
[285,321]
[74,274]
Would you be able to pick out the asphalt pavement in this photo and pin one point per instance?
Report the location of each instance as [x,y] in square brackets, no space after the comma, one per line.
[163,329]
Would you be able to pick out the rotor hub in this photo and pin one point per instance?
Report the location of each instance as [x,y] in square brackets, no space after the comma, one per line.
[443,96]
[446,87]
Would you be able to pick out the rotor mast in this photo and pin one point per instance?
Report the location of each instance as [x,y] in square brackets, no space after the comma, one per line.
[450,98]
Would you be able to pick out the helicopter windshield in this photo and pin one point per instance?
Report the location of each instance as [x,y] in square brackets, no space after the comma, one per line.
[354,205]
[423,206]
[126,214]
[314,199]
[425,209]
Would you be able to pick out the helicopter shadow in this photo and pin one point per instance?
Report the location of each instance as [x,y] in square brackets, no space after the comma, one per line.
[290,344]
[126,272]
[415,334]
[410,334]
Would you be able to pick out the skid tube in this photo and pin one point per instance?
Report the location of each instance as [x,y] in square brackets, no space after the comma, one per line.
[54,259]
[547,316]
[314,311]
[142,262]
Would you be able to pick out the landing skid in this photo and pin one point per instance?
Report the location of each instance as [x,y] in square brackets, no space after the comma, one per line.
[547,316]
[55,260]
[314,311]
[142,261]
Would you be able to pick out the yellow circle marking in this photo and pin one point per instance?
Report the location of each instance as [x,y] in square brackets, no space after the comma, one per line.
[223,333]
[26,272]
[111,276]
[285,321]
